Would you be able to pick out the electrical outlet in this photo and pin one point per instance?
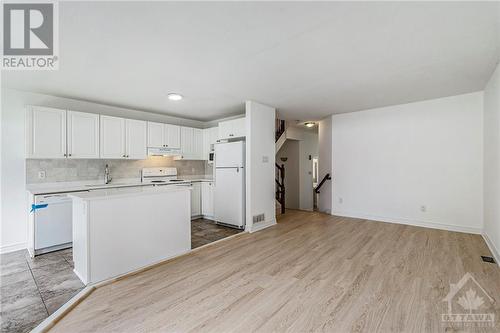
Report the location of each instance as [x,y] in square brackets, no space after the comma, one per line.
[265,159]
[341,200]
[423,208]
[41,174]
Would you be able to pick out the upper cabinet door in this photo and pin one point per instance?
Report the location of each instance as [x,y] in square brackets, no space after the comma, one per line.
[206,143]
[112,139]
[197,144]
[83,135]
[172,136]
[156,135]
[136,139]
[232,128]
[238,127]
[225,129]
[214,135]
[46,132]
[187,142]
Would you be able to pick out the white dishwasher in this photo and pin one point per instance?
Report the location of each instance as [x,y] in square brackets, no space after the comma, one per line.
[52,222]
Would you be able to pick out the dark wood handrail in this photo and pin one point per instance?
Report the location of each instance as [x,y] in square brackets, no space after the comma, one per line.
[280,186]
[327,177]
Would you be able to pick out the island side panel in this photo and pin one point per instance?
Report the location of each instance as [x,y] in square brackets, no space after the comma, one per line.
[80,239]
[131,232]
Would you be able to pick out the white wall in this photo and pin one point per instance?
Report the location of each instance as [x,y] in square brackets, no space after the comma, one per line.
[492,163]
[325,164]
[388,162]
[260,156]
[14,210]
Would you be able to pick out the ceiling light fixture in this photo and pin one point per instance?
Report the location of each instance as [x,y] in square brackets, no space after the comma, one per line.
[174,97]
[310,124]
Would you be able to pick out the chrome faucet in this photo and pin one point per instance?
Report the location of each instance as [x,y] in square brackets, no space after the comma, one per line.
[107,178]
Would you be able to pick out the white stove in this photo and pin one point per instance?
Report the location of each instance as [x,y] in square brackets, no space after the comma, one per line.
[160,176]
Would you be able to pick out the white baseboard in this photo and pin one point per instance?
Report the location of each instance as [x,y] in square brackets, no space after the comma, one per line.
[262,225]
[12,247]
[416,223]
[494,251]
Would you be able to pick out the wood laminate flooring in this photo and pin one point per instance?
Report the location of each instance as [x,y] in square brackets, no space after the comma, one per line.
[311,272]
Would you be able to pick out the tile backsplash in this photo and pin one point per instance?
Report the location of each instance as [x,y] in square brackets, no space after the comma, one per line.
[67,170]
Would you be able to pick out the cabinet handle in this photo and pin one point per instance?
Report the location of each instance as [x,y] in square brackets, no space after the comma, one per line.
[124,156]
[166,145]
[127,156]
[231,134]
[69,155]
[65,155]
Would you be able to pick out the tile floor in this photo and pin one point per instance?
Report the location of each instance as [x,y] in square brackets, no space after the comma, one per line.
[204,231]
[32,289]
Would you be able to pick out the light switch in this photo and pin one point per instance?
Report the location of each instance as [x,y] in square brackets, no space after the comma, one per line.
[265,159]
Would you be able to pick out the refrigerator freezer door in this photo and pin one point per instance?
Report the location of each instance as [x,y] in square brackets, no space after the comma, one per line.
[230,154]
[229,198]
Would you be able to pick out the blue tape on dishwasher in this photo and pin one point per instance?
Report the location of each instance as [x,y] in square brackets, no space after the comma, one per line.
[35,207]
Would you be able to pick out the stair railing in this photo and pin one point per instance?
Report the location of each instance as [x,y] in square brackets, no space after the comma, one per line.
[280,128]
[325,178]
[280,186]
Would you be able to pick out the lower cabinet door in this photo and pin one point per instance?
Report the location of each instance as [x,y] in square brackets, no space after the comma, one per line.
[196,200]
[207,199]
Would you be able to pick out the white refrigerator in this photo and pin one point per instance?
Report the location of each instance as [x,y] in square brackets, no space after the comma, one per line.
[229,192]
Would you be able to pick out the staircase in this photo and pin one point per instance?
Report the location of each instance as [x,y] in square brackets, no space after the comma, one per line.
[280,137]
[280,186]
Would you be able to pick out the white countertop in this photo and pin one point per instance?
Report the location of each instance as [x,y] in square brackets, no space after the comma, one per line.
[78,186]
[126,191]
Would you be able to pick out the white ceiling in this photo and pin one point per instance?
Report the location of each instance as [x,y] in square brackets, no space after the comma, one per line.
[308,60]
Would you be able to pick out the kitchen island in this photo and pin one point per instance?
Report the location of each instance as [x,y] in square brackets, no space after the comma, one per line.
[120,230]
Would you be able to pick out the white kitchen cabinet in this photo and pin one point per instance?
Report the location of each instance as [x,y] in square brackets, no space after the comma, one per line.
[164,135]
[82,135]
[198,143]
[210,137]
[172,136]
[225,129]
[156,135]
[112,137]
[207,199]
[46,132]
[123,138]
[135,139]
[191,143]
[196,200]
[186,141]
[239,127]
[230,129]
